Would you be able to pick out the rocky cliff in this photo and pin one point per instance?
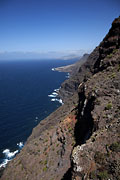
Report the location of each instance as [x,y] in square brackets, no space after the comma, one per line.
[96,154]
[80,140]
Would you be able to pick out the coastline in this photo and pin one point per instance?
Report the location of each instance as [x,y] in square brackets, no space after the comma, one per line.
[10,155]
[67,68]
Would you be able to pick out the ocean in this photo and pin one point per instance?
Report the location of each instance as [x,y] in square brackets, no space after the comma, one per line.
[28,94]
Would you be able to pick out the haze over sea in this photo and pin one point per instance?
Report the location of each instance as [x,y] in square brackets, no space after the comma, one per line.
[24,101]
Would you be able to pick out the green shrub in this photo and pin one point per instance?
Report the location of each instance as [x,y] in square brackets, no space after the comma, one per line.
[41,162]
[103,175]
[99,158]
[115,50]
[115,147]
[93,175]
[45,169]
[57,152]
[69,129]
[109,106]
[119,67]
[46,140]
[110,55]
[45,162]
[57,145]
[113,75]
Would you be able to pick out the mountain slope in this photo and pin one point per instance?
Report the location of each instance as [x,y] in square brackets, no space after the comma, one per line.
[80,140]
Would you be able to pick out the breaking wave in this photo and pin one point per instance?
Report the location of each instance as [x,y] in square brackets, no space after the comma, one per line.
[10,155]
[68,75]
[55,96]
[53,69]
[59,100]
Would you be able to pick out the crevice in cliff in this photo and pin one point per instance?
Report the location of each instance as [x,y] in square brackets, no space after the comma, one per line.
[68,174]
[84,126]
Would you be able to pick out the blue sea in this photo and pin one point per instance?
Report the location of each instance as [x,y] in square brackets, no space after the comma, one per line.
[28,94]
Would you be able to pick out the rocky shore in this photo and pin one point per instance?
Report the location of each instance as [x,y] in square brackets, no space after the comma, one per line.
[81,139]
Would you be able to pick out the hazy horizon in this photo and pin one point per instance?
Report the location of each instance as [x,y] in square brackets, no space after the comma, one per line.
[65,55]
[53,29]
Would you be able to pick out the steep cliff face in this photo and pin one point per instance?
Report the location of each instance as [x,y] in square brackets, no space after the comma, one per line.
[97,150]
[80,140]
[96,155]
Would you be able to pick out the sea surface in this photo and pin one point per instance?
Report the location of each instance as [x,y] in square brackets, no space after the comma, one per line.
[28,94]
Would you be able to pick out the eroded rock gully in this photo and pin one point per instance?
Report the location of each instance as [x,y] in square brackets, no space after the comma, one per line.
[84,125]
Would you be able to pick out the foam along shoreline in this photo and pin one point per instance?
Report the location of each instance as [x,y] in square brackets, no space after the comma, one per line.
[59,100]
[68,75]
[55,96]
[54,93]
[62,69]
[53,69]
[10,155]
[59,69]
[56,90]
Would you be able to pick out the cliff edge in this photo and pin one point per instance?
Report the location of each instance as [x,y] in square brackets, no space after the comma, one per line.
[81,139]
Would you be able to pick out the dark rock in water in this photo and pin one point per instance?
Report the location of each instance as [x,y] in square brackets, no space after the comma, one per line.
[80,140]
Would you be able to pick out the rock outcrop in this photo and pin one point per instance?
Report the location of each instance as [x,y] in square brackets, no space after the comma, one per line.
[80,140]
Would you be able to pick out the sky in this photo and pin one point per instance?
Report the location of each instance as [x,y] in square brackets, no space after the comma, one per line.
[54,26]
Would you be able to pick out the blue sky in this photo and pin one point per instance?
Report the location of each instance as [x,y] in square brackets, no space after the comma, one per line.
[54,25]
